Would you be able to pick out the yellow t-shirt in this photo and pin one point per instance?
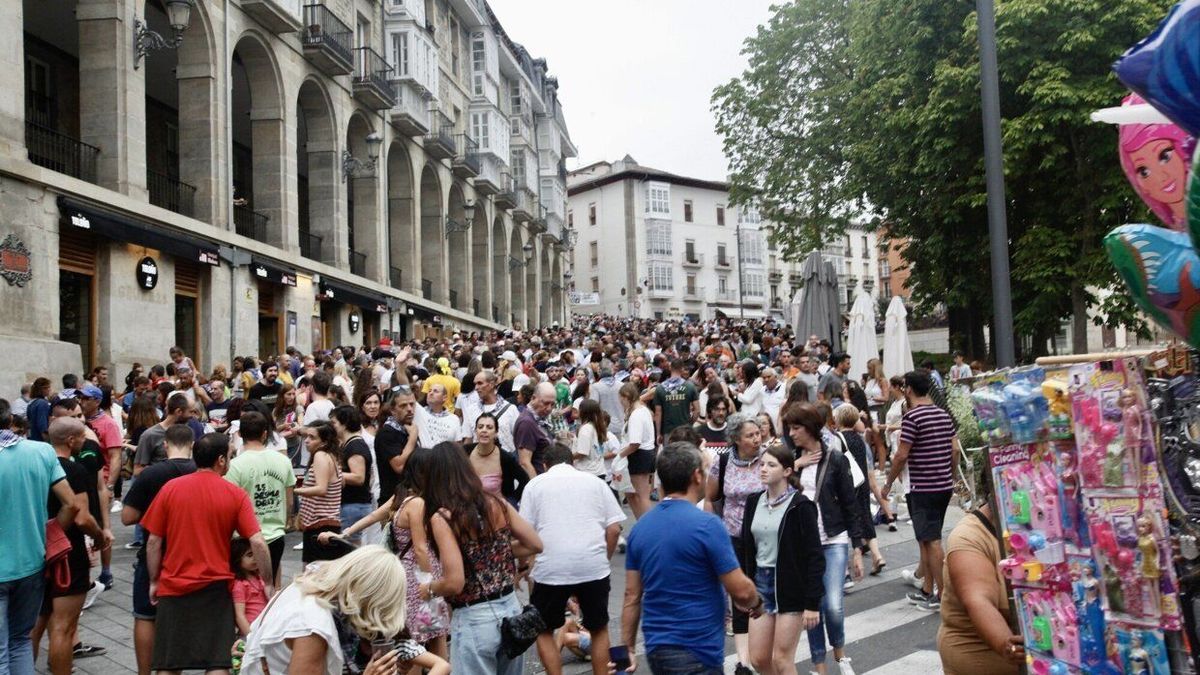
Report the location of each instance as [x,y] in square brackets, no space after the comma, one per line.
[963,651]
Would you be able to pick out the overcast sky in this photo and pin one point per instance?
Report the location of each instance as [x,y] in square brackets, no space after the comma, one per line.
[636,76]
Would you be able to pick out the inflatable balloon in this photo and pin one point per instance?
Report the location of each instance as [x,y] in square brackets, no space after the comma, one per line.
[1162,270]
[1156,158]
[1165,67]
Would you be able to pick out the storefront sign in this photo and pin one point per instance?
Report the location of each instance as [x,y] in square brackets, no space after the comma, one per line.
[147,273]
[16,264]
[277,275]
[355,321]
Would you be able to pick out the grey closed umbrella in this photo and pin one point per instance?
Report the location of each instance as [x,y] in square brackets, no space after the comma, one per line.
[818,312]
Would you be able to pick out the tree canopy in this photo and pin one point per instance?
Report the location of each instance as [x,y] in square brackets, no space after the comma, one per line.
[869,110]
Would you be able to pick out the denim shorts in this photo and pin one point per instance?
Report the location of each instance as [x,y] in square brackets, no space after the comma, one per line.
[764,581]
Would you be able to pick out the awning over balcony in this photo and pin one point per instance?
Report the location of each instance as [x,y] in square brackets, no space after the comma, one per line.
[127,229]
[351,295]
[271,271]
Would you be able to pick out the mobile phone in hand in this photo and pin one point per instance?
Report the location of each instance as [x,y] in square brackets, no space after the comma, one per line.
[619,655]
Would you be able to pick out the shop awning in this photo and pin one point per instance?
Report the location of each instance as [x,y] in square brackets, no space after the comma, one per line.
[118,227]
[424,313]
[269,271]
[350,295]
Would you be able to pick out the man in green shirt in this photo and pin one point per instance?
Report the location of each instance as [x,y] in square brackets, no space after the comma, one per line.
[676,402]
[268,478]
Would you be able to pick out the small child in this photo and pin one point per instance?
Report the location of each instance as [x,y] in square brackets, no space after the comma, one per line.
[249,592]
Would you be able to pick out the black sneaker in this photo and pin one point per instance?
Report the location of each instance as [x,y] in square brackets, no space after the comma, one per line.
[739,669]
[917,597]
[83,651]
[931,604]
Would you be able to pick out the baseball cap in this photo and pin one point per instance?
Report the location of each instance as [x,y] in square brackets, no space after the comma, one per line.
[66,393]
[90,391]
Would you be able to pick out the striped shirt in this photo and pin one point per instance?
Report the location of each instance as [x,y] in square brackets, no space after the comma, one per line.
[322,509]
[929,431]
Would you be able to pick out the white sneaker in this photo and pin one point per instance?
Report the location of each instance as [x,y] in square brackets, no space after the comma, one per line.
[844,666]
[93,593]
[849,583]
[298,547]
[910,577]
[116,506]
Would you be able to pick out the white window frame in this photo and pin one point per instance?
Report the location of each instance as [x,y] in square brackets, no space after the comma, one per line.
[658,199]
[658,238]
[400,58]
[661,276]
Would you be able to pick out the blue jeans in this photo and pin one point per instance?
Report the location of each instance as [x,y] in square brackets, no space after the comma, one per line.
[20,601]
[764,581]
[475,638]
[352,513]
[832,613]
[678,661]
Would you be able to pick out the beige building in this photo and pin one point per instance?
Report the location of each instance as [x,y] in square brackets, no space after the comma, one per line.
[655,244]
[236,176]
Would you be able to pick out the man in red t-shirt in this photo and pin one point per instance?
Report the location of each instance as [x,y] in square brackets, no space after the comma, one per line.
[194,518]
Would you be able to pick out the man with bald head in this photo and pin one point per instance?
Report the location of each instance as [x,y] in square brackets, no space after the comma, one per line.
[530,433]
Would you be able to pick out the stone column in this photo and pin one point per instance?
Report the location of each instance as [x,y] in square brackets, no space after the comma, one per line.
[112,98]
[12,79]
[267,131]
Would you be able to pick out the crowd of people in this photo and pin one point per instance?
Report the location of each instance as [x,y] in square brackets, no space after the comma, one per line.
[435,483]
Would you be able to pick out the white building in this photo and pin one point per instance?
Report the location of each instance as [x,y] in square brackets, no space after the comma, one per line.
[312,174]
[655,244]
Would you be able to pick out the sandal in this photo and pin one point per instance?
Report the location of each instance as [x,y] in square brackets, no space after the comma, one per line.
[878,567]
[82,651]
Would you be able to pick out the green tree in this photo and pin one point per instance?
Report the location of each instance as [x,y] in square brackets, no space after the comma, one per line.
[872,106]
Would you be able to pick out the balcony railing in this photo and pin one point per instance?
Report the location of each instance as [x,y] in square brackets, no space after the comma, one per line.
[61,153]
[440,141]
[506,198]
[250,223]
[371,79]
[310,245]
[171,193]
[427,289]
[395,277]
[725,262]
[358,263]
[327,41]
[693,293]
[466,160]
[693,259]
[725,296]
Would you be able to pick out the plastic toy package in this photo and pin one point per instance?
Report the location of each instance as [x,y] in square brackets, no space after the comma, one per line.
[1140,652]
[1137,580]
[1112,427]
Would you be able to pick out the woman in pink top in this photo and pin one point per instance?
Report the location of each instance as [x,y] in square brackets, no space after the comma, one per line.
[499,471]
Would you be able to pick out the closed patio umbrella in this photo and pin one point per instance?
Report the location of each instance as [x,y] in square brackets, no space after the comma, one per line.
[897,354]
[860,338]
[815,316]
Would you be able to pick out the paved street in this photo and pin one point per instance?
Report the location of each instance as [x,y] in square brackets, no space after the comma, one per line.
[884,634]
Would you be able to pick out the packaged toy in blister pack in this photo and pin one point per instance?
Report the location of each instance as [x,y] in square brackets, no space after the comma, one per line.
[988,401]
[1029,495]
[1049,625]
[1074,526]
[1089,613]
[1130,545]
[1058,399]
[1116,449]
[1140,651]
[1025,405]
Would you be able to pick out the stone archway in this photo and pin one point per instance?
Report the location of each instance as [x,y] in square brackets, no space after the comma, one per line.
[258,167]
[501,295]
[402,273]
[432,256]
[316,174]
[363,236]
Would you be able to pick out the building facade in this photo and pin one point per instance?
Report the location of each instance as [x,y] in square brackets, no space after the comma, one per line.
[655,244]
[237,176]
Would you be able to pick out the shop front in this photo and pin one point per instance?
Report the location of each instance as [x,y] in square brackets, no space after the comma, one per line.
[349,315]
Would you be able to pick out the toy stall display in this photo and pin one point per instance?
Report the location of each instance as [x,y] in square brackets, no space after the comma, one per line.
[1076,470]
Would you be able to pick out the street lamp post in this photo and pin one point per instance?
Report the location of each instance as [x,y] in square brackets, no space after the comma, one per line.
[737,232]
[993,152]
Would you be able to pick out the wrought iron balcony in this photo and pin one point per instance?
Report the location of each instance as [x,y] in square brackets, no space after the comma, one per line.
[395,277]
[440,142]
[506,198]
[171,193]
[693,293]
[358,263]
[250,223]
[310,245]
[724,263]
[725,297]
[693,260]
[328,43]
[59,152]
[466,160]
[371,79]
[775,275]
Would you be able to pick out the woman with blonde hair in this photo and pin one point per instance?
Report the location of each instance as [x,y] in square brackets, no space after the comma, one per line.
[313,624]
[877,388]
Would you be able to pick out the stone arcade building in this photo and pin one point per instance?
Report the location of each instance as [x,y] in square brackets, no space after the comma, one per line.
[288,172]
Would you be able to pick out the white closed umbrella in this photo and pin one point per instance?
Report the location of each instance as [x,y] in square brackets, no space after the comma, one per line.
[860,338]
[897,354]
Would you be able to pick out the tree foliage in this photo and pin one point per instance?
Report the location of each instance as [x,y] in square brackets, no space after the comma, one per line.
[870,109]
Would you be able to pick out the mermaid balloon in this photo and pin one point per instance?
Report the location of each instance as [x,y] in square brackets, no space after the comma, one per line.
[1155,158]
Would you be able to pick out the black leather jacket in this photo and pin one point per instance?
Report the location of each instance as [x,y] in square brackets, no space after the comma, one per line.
[835,499]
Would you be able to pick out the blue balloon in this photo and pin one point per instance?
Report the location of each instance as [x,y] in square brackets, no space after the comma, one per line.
[1164,68]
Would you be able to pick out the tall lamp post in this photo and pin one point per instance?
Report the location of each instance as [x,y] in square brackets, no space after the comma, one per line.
[993,152]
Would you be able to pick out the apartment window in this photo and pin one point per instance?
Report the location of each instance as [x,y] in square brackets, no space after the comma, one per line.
[885,269]
[687,211]
[591,214]
[363,36]
[594,250]
[752,248]
[691,284]
[689,251]
[400,53]
[774,293]
[722,284]
[658,237]
[754,284]
[478,59]
[720,215]
[518,168]
[454,45]
[661,277]
[748,215]
[479,129]
[770,242]
[514,93]
[721,259]
[658,199]
[570,219]
[866,250]
[595,284]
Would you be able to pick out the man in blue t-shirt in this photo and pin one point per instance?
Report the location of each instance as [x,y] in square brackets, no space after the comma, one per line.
[29,472]
[677,561]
